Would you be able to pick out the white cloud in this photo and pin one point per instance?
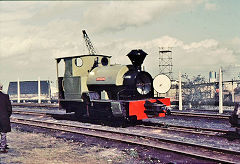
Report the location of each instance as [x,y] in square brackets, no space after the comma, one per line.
[31,37]
[210,6]
[13,46]
[121,15]
[194,57]
[13,16]
[17,11]
[208,43]
[236,42]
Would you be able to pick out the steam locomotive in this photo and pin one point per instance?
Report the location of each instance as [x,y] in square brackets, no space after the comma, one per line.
[93,88]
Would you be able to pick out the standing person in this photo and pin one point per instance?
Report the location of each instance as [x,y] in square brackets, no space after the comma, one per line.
[5,113]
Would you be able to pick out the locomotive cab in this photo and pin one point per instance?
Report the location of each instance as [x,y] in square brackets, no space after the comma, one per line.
[73,83]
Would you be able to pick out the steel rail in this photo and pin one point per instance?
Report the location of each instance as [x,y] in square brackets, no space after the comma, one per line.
[206,115]
[154,125]
[179,128]
[35,105]
[185,129]
[30,113]
[199,151]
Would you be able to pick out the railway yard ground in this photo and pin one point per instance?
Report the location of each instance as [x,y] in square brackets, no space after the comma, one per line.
[203,138]
[28,147]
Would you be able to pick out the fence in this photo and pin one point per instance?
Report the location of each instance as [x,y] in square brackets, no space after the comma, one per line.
[197,93]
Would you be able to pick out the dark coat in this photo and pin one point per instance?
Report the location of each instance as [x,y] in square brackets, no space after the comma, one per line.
[5,113]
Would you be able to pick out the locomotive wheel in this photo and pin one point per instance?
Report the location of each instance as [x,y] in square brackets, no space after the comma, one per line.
[119,122]
[132,120]
[78,114]
[168,112]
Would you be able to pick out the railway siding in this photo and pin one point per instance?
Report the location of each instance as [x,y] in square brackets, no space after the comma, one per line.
[154,137]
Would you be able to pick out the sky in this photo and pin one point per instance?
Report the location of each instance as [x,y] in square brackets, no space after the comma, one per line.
[204,34]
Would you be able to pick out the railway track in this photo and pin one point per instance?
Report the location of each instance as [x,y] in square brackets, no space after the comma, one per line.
[177,113]
[33,105]
[205,115]
[189,149]
[186,129]
[190,114]
[148,125]
[30,113]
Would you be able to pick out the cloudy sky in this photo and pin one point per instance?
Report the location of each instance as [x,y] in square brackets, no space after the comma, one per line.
[204,34]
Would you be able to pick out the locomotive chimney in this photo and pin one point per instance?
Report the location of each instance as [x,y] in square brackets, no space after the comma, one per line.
[137,57]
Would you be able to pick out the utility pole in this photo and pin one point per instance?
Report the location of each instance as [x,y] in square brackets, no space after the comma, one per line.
[220,92]
[18,91]
[180,91]
[233,99]
[39,90]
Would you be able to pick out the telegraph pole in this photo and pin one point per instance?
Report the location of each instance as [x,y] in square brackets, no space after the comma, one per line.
[39,90]
[220,92]
[180,91]
[18,91]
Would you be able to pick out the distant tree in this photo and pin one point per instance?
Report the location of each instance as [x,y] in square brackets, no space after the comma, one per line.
[193,90]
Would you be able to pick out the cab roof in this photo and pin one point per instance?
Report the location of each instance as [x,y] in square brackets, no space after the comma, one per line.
[81,56]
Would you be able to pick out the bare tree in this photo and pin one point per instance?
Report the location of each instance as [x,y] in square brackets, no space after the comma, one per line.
[193,89]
